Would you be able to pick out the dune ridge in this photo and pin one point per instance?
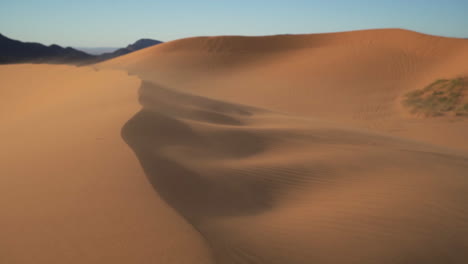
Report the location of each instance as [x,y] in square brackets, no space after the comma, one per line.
[356,78]
[300,144]
[250,180]
[71,191]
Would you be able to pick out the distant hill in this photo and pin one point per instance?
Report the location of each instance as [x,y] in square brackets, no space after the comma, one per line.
[97,50]
[140,44]
[14,51]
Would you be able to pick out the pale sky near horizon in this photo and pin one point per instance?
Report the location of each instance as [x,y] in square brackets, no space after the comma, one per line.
[114,23]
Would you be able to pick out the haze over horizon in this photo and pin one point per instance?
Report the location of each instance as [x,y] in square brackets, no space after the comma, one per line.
[120,22]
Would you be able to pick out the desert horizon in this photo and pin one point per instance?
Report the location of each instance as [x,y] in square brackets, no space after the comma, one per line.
[341,147]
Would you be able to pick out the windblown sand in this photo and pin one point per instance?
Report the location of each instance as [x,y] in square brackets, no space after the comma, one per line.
[281,149]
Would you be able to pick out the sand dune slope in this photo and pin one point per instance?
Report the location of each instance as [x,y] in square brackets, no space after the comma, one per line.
[71,191]
[268,145]
[263,187]
[357,78]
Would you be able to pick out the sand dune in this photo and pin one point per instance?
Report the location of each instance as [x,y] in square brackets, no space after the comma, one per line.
[279,149]
[357,78]
[251,181]
[71,191]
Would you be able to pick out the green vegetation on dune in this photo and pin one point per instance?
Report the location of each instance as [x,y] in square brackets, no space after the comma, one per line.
[442,97]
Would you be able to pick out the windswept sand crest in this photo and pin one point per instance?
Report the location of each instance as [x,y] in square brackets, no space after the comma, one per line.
[251,180]
[71,191]
[356,78]
[306,179]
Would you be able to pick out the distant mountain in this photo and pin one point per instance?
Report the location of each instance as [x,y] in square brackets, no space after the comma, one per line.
[14,51]
[97,50]
[140,44]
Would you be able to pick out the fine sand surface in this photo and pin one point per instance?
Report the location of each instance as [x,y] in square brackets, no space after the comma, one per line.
[355,78]
[71,191]
[280,149]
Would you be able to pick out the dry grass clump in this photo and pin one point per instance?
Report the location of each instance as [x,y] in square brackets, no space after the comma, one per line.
[440,98]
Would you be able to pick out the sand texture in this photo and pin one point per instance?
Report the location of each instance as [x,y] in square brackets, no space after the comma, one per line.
[262,150]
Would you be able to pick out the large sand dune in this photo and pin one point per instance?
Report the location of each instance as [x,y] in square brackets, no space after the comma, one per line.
[280,149]
[356,78]
[71,191]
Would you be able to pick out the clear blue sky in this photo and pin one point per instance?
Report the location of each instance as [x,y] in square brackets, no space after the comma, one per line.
[96,23]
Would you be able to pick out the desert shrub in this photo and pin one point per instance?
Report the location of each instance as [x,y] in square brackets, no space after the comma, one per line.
[439,98]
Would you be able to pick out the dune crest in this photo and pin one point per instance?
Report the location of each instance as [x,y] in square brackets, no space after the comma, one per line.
[304,169]
[356,78]
[250,180]
[71,191]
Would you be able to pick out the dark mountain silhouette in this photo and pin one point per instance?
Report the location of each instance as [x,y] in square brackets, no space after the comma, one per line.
[96,50]
[14,51]
[140,44]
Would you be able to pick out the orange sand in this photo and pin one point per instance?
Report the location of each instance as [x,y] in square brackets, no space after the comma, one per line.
[280,149]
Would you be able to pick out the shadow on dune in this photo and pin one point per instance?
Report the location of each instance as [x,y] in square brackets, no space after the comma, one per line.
[207,161]
[166,122]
